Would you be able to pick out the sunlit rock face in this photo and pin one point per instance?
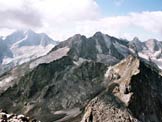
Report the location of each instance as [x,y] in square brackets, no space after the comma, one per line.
[100,48]
[23,46]
[150,50]
[133,94]
[96,79]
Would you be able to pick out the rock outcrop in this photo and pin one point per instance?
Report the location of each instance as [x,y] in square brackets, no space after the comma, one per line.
[58,86]
[5,117]
[87,80]
[134,96]
[63,91]
[100,48]
[21,47]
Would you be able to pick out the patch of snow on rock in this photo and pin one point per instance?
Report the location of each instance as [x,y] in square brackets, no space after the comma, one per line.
[54,55]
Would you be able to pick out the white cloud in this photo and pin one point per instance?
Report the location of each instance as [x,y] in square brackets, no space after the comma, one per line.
[145,25]
[18,14]
[52,16]
[63,18]
[6,4]
[150,21]
[67,9]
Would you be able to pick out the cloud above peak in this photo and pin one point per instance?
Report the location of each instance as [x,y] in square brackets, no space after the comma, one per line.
[15,18]
[18,15]
[63,18]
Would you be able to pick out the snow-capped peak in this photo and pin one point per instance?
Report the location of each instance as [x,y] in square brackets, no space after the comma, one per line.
[24,45]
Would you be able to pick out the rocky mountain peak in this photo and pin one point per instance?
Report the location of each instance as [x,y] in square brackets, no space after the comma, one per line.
[153,45]
[76,37]
[136,39]
[98,34]
[152,40]
[96,79]
[100,47]
[22,46]
[130,93]
[136,44]
[28,31]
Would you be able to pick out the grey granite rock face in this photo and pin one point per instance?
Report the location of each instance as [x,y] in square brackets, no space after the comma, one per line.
[146,101]
[135,95]
[21,47]
[82,85]
[107,108]
[64,91]
[6,117]
[99,47]
[60,85]
[4,50]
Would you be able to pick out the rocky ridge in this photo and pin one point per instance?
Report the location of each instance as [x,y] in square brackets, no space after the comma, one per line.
[81,86]
[131,95]
[23,46]
[5,117]
[150,50]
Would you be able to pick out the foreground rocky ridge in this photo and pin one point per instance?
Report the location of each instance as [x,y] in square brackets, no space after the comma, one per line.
[133,94]
[60,85]
[100,48]
[5,117]
[88,92]
[79,83]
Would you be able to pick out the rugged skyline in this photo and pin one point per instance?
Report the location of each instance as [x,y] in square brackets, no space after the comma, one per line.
[96,79]
[80,61]
[61,19]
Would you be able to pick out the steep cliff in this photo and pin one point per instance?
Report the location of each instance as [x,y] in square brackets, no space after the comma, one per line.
[133,94]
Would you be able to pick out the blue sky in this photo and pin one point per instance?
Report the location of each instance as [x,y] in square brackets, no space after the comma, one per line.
[124,7]
[145,22]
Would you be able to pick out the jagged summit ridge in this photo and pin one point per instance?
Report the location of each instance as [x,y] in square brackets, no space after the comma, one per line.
[68,88]
[22,46]
[99,47]
[86,79]
[130,95]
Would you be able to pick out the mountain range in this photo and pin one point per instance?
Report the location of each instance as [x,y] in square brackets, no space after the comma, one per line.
[95,79]
[150,50]
[22,46]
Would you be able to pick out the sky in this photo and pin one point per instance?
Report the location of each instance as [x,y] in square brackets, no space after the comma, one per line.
[61,19]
